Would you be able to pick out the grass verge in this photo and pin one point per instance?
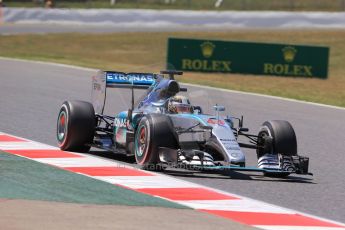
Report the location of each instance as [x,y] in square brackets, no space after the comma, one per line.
[147,52]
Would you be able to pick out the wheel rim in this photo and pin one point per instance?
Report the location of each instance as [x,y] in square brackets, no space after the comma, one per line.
[62,126]
[262,135]
[141,141]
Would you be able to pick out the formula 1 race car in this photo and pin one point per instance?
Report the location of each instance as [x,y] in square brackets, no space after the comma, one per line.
[163,129]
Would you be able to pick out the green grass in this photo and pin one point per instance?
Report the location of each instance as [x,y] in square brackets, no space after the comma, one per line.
[147,52]
[294,5]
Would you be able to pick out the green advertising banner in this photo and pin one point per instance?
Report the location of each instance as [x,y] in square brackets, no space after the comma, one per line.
[247,58]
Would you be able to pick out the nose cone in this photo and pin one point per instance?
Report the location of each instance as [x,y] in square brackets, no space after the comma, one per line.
[228,142]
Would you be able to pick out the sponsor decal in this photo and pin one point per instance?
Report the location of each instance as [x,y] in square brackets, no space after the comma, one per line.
[120,122]
[207,50]
[206,65]
[215,122]
[289,54]
[247,58]
[136,78]
[230,144]
[286,69]
[232,147]
[230,140]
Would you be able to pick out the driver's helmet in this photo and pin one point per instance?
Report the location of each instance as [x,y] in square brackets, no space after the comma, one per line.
[179,104]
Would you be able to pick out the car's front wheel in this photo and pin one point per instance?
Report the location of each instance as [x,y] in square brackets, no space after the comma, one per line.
[276,137]
[75,126]
[154,131]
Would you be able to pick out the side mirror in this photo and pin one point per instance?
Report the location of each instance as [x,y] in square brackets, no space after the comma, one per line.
[243,129]
[219,108]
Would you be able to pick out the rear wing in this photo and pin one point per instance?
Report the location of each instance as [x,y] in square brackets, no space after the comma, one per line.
[112,79]
[129,80]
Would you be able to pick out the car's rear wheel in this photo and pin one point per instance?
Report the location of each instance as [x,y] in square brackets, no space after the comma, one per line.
[76,126]
[277,137]
[154,131]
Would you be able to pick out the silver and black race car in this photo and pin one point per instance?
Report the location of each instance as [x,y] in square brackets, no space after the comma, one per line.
[163,129]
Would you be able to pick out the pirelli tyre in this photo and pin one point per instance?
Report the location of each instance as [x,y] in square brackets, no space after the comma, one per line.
[154,131]
[75,126]
[277,137]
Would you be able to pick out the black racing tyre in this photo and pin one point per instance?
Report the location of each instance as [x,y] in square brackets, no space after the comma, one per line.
[277,136]
[76,126]
[283,138]
[154,131]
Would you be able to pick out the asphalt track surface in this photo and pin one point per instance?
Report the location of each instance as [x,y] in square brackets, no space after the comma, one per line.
[31,94]
[45,28]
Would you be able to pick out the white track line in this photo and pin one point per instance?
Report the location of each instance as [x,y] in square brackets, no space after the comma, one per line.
[138,182]
[277,227]
[85,161]
[11,145]
[242,205]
